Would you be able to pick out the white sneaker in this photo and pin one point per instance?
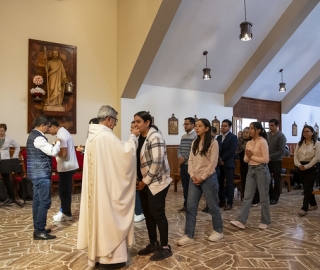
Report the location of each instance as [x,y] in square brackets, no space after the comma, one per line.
[263,226]
[138,218]
[185,240]
[215,236]
[237,224]
[61,217]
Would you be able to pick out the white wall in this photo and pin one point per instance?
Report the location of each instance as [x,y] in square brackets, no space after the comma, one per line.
[299,114]
[89,25]
[162,102]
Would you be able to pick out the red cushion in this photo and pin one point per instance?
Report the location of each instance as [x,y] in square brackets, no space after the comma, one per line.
[80,159]
[18,178]
[55,177]
[77,176]
[24,154]
[54,164]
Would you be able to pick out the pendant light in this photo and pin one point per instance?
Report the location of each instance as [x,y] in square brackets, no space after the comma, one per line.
[206,70]
[245,27]
[282,85]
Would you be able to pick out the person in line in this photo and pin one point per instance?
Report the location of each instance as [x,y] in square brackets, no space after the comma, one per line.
[202,163]
[257,156]
[5,144]
[80,148]
[183,156]
[106,225]
[229,143]
[214,136]
[244,165]
[153,184]
[306,156]
[138,212]
[67,164]
[39,159]
[277,147]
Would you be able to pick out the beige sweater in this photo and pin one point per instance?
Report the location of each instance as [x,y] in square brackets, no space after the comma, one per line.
[204,166]
[260,150]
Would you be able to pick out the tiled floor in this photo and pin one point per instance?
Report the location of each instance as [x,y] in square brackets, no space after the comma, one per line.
[291,242]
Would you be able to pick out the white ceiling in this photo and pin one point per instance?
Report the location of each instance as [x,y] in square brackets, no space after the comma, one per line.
[286,35]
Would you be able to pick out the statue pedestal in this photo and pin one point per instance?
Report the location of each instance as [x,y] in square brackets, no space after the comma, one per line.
[54,108]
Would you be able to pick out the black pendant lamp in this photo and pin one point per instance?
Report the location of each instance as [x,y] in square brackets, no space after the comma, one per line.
[282,85]
[245,27]
[206,70]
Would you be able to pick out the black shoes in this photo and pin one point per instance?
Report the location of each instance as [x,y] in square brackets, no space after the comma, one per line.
[206,209]
[273,202]
[297,187]
[47,231]
[7,202]
[221,204]
[151,248]
[228,207]
[183,209]
[43,236]
[161,254]
[112,265]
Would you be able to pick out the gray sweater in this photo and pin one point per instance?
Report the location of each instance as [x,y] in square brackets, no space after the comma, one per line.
[277,145]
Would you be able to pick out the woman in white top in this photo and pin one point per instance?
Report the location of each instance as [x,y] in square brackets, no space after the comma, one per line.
[306,156]
[5,144]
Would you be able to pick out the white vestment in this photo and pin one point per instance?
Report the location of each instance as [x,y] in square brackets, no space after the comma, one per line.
[108,196]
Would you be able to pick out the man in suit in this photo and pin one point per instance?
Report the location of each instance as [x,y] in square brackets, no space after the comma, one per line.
[229,143]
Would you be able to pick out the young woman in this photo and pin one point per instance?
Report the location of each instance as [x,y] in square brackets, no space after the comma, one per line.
[257,157]
[241,149]
[153,174]
[306,156]
[203,160]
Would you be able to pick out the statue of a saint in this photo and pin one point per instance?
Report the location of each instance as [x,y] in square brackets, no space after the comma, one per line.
[57,79]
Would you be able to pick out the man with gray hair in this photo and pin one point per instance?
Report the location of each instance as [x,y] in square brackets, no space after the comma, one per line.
[108,193]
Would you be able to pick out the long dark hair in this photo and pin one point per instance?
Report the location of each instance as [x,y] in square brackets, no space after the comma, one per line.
[313,138]
[258,125]
[207,139]
[146,116]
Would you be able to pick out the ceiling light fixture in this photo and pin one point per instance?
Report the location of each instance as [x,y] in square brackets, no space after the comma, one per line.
[245,27]
[282,85]
[206,71]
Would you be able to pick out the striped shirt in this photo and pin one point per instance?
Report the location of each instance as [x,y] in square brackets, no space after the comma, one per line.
[185,145]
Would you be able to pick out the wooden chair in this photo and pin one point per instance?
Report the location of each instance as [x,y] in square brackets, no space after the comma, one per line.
[237,177]
[77,177]
[175,177]
[288,164]
[54,176]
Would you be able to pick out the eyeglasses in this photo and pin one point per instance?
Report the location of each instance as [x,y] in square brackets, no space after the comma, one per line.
[115,119]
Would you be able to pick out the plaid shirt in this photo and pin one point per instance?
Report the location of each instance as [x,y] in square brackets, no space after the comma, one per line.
[153,156]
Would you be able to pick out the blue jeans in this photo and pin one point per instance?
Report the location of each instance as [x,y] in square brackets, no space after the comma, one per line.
[137,207]
[185,179]
[65,191]
[41,203]
[209,188]
[258,176]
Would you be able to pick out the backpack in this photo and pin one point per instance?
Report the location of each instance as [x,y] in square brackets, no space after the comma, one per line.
[25,189]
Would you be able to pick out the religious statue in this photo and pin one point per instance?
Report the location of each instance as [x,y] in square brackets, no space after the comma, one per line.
[56,80]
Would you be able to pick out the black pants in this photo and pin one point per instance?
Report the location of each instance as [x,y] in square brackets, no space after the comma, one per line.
[308,177]
[65,191]
[275,167]
[153,207]
[228,190]
[9,185]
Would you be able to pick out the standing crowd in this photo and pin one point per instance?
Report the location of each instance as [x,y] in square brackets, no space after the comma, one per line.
[130,180]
